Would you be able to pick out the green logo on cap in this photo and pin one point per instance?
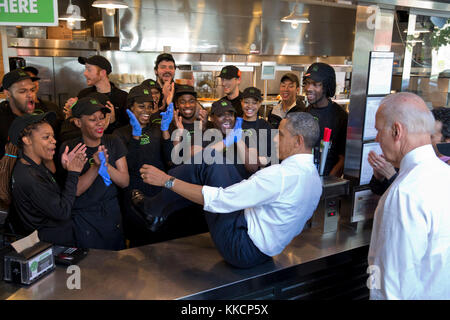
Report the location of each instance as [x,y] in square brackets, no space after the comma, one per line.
[22,73]
[252,91]
[146,91]
[93,101]
[224,103]
[224,70]
[152,82]
[315,68]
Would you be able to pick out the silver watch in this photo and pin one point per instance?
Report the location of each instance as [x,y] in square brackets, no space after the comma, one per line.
[169,183]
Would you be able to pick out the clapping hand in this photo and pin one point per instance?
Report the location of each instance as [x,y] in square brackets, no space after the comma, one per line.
[137,129]
[168,91]
[75,159]
[167,117]
[112,114]
[235,134]
[68,107]
[381,168]
[103,169]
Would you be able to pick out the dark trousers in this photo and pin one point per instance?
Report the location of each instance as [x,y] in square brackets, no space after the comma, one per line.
[182,223]
[228,230]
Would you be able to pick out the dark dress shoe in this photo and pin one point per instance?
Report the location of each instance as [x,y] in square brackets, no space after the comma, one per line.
[152,223]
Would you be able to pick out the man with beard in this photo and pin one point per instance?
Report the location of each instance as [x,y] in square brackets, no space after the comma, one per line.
[320,85]
[96,73]
[20,100]
[231,78]
[165,69]
[42,106]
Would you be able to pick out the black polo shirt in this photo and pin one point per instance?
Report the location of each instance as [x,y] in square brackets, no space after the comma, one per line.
[236,102]
[149,149]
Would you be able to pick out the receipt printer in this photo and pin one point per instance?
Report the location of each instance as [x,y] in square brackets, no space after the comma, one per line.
[29,265]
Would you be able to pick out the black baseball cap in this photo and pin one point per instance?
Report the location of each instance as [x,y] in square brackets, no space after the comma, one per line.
[98,61]
[31,69]
[12,77]
[221,106]
[252,92]
[164,57]
[152,84]
[20,123]
[140,93]
[291,76]
[184,89]
[87,106]
[319,72]
[230,72]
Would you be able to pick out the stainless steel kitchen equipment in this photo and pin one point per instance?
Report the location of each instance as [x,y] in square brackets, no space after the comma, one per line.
[60,72]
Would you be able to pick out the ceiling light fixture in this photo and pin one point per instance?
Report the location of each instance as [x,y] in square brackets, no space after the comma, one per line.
[110,5]
[72,14]
[295,19]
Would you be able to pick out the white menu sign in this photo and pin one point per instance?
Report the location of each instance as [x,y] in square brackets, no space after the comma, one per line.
[380,73]
[366,169]
[372,104]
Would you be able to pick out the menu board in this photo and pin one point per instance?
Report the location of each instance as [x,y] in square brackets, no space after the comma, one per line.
[380,73]
[372,104]
[366,169]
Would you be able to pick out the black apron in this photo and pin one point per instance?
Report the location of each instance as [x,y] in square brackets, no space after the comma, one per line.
[100,226]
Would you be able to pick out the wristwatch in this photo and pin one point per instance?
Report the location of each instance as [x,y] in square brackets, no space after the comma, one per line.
[169,183]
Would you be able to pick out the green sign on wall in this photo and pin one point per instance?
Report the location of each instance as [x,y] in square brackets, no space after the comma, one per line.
[29,12]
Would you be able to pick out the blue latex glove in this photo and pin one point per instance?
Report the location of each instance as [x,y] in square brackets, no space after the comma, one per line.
[137,130]
[102,171]
[167,117]
[235,135]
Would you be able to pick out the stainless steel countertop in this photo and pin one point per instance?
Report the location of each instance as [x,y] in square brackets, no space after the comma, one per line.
[176,269]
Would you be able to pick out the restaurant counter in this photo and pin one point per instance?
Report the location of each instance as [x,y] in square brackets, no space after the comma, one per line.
[311,266]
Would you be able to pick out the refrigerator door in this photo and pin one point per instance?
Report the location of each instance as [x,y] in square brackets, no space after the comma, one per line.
[69,78]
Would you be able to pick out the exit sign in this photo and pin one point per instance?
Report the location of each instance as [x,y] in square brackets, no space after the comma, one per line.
[29,12]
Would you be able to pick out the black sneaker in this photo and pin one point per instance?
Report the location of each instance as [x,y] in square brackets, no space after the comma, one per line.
[152,223]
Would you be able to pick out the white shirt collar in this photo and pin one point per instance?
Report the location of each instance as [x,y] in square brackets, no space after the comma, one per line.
[300,157]
[416,156]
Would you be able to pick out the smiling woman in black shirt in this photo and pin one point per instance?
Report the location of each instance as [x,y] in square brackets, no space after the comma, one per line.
[96,210]
[38,199]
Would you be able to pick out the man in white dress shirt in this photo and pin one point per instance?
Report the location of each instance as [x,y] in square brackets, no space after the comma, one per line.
[410,245]
[255,219]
